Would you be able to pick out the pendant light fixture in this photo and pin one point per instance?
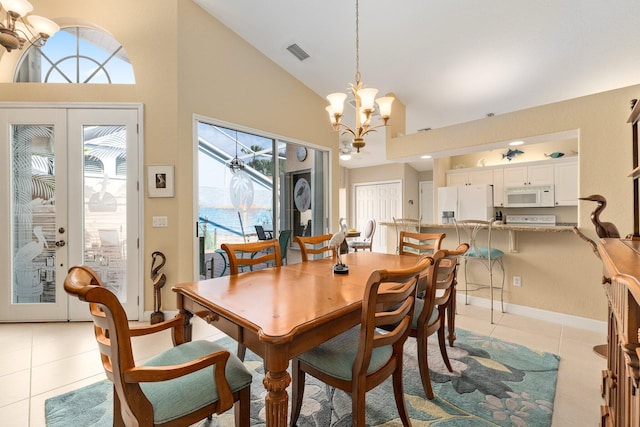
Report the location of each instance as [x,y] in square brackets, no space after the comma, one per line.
[364,103]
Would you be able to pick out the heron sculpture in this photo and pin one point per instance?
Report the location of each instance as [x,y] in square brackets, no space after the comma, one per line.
[335,242]
[159,279]
[603,229]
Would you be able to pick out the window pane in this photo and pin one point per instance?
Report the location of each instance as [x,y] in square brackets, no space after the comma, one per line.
[33,209]
[76,47]
[105,213]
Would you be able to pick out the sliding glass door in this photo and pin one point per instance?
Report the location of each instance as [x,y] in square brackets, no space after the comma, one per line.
[246,179]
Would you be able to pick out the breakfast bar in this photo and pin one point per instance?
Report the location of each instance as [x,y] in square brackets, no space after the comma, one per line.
[512,229]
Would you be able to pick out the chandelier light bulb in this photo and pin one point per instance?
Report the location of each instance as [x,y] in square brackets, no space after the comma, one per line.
[43,26]
[337,102]
[367,96]
[384,105]
[17,7]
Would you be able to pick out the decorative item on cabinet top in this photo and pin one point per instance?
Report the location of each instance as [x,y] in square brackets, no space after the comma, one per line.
[511,154]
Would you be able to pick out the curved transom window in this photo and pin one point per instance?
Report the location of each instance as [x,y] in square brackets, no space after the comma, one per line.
[76,55]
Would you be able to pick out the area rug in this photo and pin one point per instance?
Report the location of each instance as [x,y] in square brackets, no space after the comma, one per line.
[493,383]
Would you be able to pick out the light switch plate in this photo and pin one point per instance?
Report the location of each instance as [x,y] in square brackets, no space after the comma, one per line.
[160,221]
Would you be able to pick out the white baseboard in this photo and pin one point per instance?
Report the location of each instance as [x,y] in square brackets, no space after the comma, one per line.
[520,310]
[536,313]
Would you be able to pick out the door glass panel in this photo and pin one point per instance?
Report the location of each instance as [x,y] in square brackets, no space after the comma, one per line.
[34,216]
[105,205]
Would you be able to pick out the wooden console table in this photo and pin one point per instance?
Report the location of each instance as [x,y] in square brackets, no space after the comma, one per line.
[621,379]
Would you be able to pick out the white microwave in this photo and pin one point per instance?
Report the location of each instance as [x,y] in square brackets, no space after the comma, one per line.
[529,196]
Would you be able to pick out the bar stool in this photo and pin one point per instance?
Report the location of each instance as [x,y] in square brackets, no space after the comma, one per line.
[405,224]
[480,251]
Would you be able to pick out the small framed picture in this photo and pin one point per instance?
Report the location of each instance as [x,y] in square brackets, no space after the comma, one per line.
[160,180]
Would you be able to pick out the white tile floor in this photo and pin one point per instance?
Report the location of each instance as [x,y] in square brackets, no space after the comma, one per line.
[42,360]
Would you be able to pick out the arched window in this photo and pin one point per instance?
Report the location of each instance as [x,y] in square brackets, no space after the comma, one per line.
[76,55]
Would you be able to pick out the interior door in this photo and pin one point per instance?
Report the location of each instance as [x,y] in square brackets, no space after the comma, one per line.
[382,202]
[43,207]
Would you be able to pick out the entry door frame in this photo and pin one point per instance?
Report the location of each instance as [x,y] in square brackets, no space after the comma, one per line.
[5,192]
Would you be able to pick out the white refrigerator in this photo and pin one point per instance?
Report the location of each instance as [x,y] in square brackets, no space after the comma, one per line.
[466,202]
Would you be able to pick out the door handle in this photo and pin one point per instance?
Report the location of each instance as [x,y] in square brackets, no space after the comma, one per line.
[60,243]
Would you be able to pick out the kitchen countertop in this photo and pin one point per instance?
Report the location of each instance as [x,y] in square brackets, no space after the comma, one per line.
[558,228]
[512,229]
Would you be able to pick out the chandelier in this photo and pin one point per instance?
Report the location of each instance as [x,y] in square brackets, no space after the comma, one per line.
[364,103]
[15,30]
[236,164]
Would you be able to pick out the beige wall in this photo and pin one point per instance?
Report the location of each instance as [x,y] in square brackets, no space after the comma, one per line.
[202,68]
[558,270]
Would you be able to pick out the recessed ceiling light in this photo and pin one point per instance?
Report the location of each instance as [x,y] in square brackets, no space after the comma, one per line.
[426,156]
[516,143]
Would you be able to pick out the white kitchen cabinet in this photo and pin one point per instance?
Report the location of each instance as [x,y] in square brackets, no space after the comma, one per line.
[566,181]
[498,188]
[518,176]
[469,177]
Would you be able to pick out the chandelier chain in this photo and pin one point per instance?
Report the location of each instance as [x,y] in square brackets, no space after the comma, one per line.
[357,43]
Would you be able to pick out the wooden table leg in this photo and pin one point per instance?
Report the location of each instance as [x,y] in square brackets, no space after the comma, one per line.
[277,399]
[187,328]
[276,381]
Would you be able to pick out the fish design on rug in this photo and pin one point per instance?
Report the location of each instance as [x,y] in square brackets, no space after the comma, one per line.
[510,154]
[554,155]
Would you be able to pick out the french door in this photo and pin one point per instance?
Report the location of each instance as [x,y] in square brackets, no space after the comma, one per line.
[71,198]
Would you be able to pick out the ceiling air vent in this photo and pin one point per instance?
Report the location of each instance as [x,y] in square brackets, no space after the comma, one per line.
[298,52]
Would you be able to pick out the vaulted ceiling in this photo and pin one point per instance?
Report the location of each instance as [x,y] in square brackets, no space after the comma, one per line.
[448,61]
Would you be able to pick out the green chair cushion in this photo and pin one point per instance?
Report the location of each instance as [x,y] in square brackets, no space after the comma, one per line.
[336,356]
[483,252]
[174,398]
[419,306]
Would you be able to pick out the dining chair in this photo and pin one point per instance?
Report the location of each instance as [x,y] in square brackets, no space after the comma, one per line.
[430,315]
[477,233]
[363,357]
[313,245]
[367,242]
[249,255]
[283,238]
[419,243]
[178,387]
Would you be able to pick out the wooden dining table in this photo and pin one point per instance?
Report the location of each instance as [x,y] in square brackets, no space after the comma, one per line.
[281,312]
